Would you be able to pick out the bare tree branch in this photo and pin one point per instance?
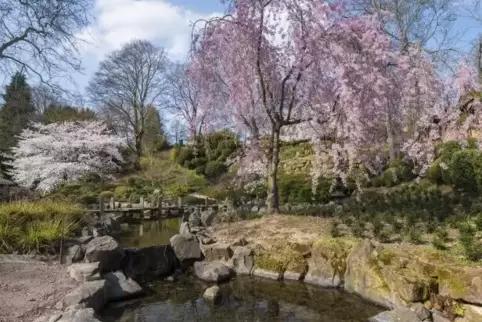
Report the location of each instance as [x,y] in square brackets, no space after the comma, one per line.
[130,81]
[41,37]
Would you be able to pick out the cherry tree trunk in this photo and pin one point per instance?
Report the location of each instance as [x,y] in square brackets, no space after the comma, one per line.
[272,200]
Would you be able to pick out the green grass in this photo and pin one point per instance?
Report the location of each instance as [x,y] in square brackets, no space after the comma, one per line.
[34,227]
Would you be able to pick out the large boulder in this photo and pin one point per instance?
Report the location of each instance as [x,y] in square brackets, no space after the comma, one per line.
[88,295]
[149,262]
[119,287]
[327,263]
[75,315]
[389,276]
[363,278]
[242,260]
[185,232]
[185,249]
[471,313]
[84,272]
[217,252]
[215,272]
[396,315]
[461,283]
[106,251]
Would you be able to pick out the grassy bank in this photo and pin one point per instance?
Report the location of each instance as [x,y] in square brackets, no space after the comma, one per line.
[34,227]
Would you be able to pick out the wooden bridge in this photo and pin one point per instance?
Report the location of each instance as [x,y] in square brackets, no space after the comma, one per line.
[161,209]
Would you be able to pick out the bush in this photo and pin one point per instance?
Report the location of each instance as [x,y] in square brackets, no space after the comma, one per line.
[122,193]
[446,150]
[186,154]
[200,169]
[214,168]
[434,173]
[472,245]
[466,171]
[106,195]
[174,154]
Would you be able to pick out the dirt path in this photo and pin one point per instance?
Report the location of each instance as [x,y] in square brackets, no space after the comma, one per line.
[30,288]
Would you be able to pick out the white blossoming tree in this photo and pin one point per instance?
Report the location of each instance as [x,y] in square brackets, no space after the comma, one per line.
[50,155]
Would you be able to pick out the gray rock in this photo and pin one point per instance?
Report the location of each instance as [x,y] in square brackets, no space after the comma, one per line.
[240,242]
[149,262]
[84,272]
[111,222]
[438,317]
[396,315]
[99,231]
[54,317]
[119,287]
[85,315]
[86,232]
[88,295]
[216,252]
[212,271]
[185,249]
[242,260]
[208,240]
[73,254]
[184,231]
[207,217]
[267,274]
[106,251]
[85,239]
[195,219]
[212,294]
[421,311]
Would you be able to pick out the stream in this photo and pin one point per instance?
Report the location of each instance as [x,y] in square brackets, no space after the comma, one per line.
[245,298]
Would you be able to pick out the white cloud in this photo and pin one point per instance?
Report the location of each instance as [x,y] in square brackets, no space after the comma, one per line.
[119,21]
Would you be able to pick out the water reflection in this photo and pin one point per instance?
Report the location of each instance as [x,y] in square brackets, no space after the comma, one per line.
[148,233]
[244,299]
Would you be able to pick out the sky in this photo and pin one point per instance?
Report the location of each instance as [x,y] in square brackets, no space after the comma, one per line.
[164,22]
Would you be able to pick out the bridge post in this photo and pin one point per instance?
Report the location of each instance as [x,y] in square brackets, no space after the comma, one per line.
[141,201]
[112,203]
[101,205]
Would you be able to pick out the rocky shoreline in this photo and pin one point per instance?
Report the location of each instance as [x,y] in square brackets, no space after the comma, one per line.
[415,289]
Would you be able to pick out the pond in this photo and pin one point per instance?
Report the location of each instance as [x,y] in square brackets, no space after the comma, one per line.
[243,299]
[148,233]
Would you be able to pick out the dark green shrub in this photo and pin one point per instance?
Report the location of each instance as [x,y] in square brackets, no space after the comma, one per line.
[214,168]
[415,236]
[390,177]
[446,150]
[89,199]
[440,239]
[465,171]
[187,164]
[200,169]
[472,245]
[377,181]
[478,222]
[185,154]
[434,173]
[106,194]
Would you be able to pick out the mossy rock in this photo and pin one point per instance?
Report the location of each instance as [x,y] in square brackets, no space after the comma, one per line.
[281,257]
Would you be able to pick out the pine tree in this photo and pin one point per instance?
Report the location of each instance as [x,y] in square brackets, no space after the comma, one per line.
[154,136]
[15,114]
